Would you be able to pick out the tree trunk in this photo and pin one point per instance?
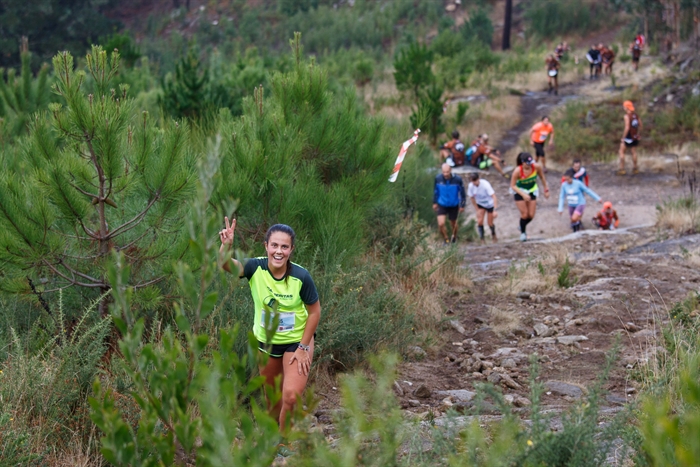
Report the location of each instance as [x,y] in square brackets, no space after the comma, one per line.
[507,20]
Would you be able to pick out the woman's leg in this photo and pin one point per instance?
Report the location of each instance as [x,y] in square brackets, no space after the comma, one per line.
[480,222]
[294,383]
[622,155]
[531,208]
[271,371]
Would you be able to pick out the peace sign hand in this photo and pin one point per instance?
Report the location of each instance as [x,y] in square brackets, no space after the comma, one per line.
[226,235]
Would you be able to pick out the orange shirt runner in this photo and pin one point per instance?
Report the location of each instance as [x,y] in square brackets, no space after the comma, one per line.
[541,131]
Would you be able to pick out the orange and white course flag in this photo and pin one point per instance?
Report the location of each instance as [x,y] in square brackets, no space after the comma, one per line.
[402,153]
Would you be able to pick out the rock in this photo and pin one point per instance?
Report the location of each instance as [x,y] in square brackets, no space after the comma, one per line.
[460,395]
[509,382]
[508,363]
[574,322]
[564,389]
[617,400]
[447,403]
[543,330]
[478,376]
[413,403]
[487,365]
[422,391]
[602,267]
[416,353]
[545,341]
[570,340]
[631,327]
[398,389]
[494,378]
[670,97]
[520,401]
[645,333]
[521,332]
[524,295]
[457,326]
[630,390]
[509,398]
[480,320]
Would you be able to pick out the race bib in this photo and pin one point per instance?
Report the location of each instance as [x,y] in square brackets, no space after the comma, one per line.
[285,324]
[572,199]
[543,135]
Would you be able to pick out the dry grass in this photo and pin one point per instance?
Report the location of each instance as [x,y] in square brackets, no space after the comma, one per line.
[679,217]
[686,156]
[503,321]
[537,275]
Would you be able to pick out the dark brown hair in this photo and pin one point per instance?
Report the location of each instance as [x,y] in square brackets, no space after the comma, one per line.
[284,228]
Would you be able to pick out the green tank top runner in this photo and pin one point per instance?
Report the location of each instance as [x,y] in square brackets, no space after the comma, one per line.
[529,183]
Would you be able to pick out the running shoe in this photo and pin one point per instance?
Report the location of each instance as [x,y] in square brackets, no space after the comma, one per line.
[494,238]
[523,237]
[621,172]
[454,239]
[284,451]
[635,171]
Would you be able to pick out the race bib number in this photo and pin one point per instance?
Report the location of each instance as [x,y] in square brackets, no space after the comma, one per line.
[286,323]
[543,135]
[572,199]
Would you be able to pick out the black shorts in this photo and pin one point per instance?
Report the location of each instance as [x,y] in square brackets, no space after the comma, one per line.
[451,213]
[278,350]
[489,210]
[539,149]
[520,198]
[635,59]
[633,143]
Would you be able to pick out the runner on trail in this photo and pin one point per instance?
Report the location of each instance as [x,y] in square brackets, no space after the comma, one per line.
[485,204]
[630,137]
[573,191]
[580,172]
[594,60]
[539,133]
[560,49]
[452,152]
[552,64]
[449,199]
[523,183]
[636,50]
[608,56]
[485,156]
[606,218]
[286,291]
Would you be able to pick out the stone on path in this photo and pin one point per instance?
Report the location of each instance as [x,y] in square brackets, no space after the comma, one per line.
[564,389]
[457,326]
[570,340]
[461,395]
[422,391]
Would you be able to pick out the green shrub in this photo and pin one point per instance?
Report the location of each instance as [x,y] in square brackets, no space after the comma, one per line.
[479,29]
[552,18]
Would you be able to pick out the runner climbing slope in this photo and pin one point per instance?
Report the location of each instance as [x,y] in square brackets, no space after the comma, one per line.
[523,184]
[539,133]
[552,65]
[449,199]
[573,192]
[630,137]
[485,202]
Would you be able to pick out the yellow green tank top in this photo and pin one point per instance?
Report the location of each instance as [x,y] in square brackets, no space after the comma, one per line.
[529,183]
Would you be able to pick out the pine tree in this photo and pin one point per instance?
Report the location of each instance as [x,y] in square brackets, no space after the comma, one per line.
[187,94]
[101,180]
[21,96]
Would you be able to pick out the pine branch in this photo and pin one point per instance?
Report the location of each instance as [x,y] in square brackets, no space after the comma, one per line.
[133,222]
[72,281]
